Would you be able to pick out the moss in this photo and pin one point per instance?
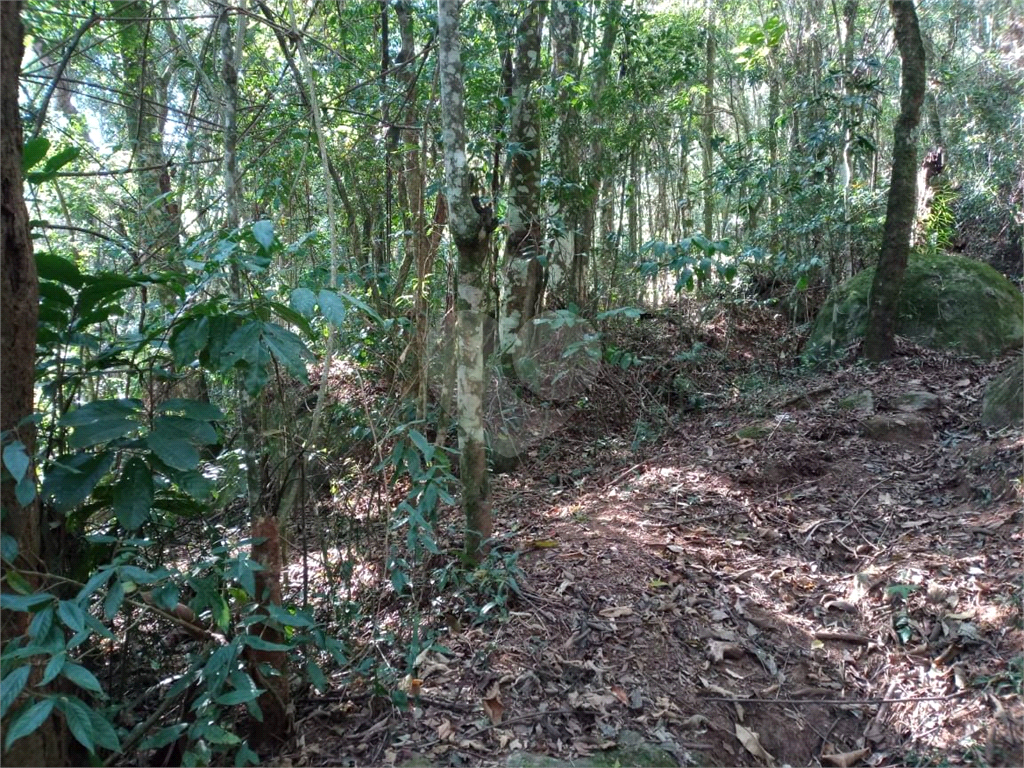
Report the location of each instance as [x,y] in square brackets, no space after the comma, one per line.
[947,302]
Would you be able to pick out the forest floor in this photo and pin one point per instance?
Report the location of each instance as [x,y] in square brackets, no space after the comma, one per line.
[731,562]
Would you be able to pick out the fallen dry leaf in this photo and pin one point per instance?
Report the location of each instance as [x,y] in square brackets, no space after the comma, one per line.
[620,694]
[751,741]
[845,759]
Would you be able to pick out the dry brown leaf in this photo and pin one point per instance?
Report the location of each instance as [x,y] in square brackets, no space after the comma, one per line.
[493,708]
[620,694]
[616,611]
[445,730]
[751,742]
[845,759]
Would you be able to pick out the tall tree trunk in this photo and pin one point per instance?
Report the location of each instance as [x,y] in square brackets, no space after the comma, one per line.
[524,274]
[709,127]
[145,110]
[471,225]
[266,548]
[902,202]
[19,315]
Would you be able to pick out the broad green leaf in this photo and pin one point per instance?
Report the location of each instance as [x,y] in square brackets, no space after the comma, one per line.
[103,732]
[53,668]
[195,410]
[244,346]
[77,716]
[133,494]
[99,432]
[363,306]
[189,338]
[138,575]
[27,721]
[25,491]
[34,151]
[332,307]
[173,450]
[288,349]
[254,641]
[287,618]
[67,155]
[41,624]
[11,686]
[16,460]
[8,547]
[101,421]
[71,613]
[70,479]
[163,737]
[316,676]
[263,232]
[303,301]
[83,678]
[193,430]
[112,602]
[52,293]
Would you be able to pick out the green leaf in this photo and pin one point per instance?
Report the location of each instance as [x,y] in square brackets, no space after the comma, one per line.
[133,494]
[72,615]
[101,421]
[189,338]
[53,668]
[8,548]
[34,151]
[254,641]
[24,603]
[83,678]
[67,155]
[173,450]
[163,737]
[112,602]
[25,491]
[95,581]
[41,624]
[287,618]
[16,460]
[11,686]
[138,575]
[363,306]
[70,479]
[196,410]
[316,676]
[103,732]
[423,444]
[288,349]
[27,721]
[77,716]
[332,307]
[263,231]
[244,346]
[303,301]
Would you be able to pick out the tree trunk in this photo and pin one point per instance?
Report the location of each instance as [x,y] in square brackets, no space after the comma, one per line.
[902,202]
[19,314]
[709,128]
[470,225]
[524,274]
[266,548]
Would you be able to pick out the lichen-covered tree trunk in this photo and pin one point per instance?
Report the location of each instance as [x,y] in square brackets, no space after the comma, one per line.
[274,702]
[19,314]
[470,224]
[522,286]
[902,202]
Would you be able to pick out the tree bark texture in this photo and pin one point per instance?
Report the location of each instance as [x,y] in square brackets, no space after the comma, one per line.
[470,224]
[902,202]
[524,278]
[19,315]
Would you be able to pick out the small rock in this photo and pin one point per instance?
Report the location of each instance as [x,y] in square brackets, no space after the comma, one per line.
[905,428]
[918,401]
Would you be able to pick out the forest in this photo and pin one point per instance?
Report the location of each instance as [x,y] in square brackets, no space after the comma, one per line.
[512,382]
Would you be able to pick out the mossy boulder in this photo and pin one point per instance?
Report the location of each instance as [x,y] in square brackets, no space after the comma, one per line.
[947,302]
